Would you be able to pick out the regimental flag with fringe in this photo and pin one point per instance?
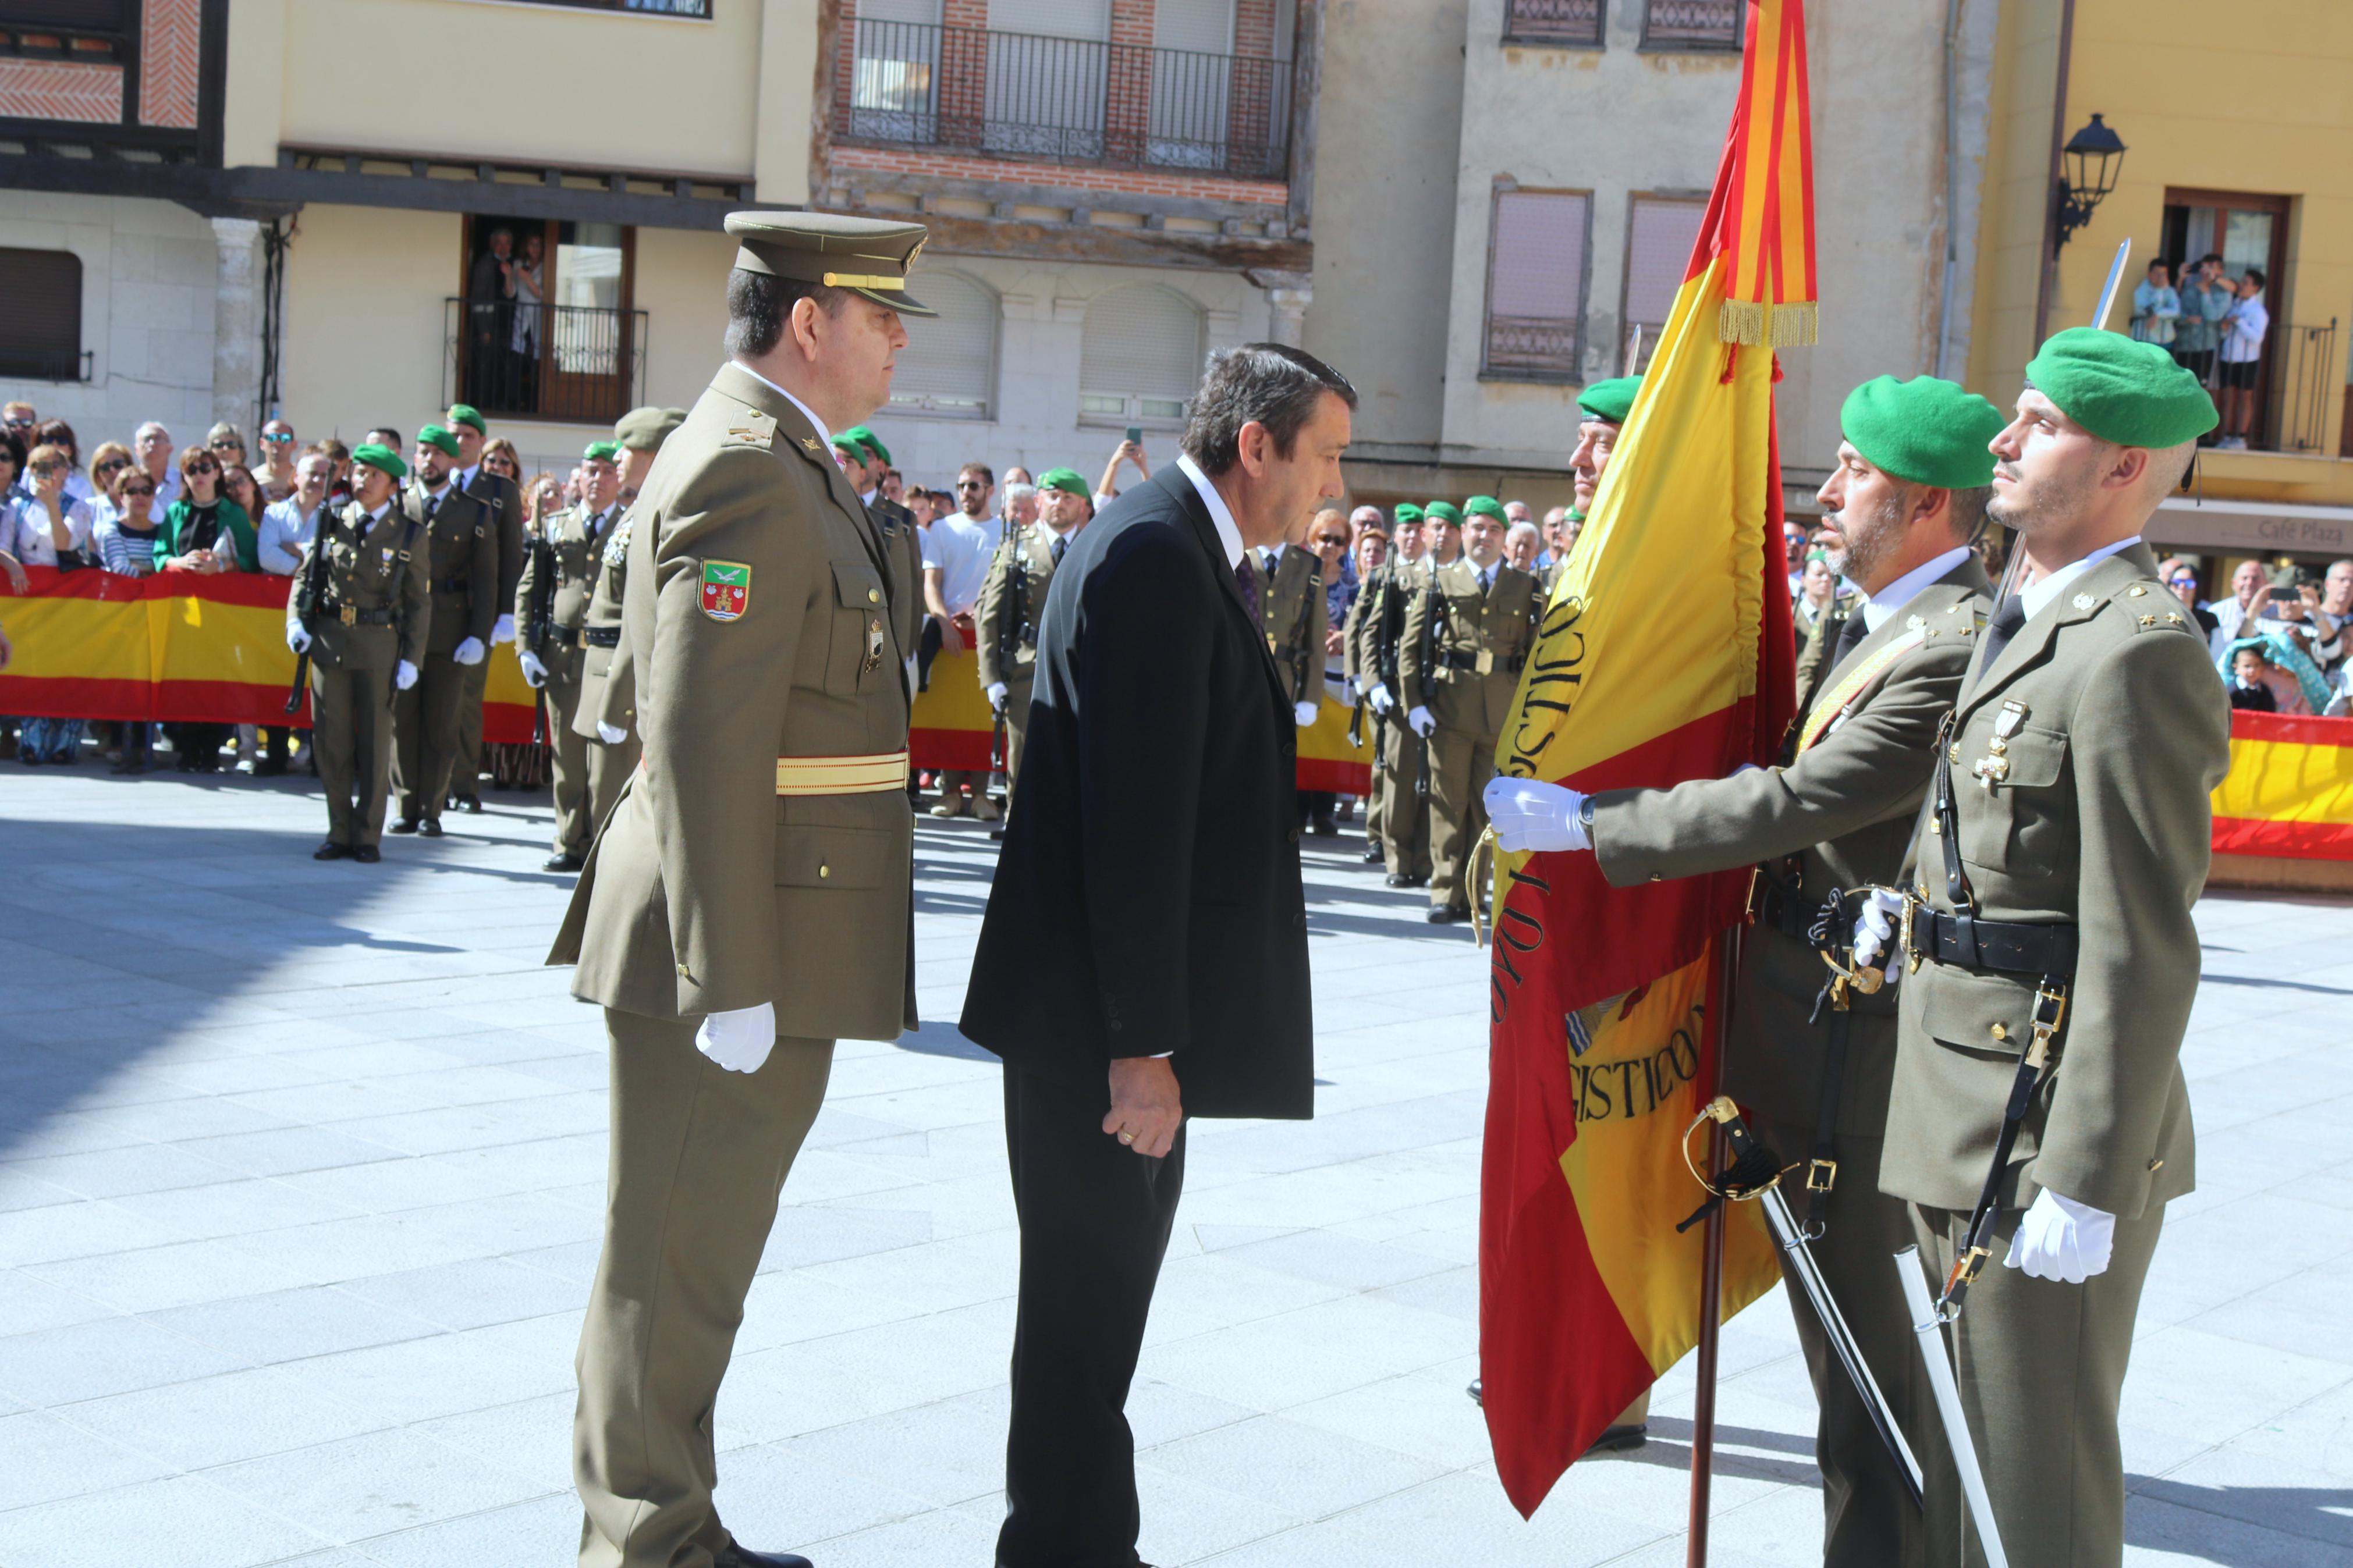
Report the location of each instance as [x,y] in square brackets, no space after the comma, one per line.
[1666,654]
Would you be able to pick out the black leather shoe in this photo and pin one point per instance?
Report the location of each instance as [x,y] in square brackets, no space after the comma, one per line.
[473,803]
[562,863]
[1373,854]
[738,1556]
[366,853]
[1445,914]
[1618,1440]
[996,834]
[405,825]
[1323,827]
[1396,882]
[330,850]
[429,828]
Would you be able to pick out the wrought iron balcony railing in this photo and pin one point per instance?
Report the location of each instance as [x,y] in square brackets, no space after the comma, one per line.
[1575,23]
[1692,24]
[582,362]
[1063,101]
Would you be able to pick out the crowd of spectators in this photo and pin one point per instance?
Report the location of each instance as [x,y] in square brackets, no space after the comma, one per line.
[2283,636]
[2214,325]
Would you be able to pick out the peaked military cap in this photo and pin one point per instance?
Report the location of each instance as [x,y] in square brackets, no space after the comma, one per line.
[1923,431]
[645,429]
[867,255]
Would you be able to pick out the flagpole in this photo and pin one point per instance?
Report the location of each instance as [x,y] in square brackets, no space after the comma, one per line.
[1711,1276]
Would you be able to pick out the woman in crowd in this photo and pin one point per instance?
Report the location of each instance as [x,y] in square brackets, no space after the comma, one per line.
[58,433]
[110,458]
[204,532]
[1816,591]
[499,457]
[126,546]
[52,528]
[243,491]
[542,499]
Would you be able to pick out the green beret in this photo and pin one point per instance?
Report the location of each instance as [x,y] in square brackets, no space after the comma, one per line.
[645,429]
[1486,506]
[375,454]
[1443,511]
[1067,481]
[2132,394]
[1610,401]
[1408,512]
[870,441]
[467,414]
[1573,515]
[438,436]
[1923,431]
[602,451]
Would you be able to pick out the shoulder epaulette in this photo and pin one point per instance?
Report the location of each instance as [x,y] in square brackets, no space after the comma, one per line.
[753,429]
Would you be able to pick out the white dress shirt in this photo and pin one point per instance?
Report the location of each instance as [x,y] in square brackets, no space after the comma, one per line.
[282,534]
[1900,593]
[2034,596]
[1221,516]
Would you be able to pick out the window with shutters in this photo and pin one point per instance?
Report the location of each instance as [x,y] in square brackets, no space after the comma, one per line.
[40,315]
[1538,259]
[949,365]
[1139,357]
[1660,233]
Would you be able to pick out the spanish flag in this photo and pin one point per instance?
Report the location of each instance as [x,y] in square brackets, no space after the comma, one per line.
[1665,655]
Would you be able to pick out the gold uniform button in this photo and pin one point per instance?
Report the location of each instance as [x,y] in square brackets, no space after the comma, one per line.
[683,974]
[2155,1166]
[873,596]
[825,870]
[2136,591]
[1953,752]
[2000,1032]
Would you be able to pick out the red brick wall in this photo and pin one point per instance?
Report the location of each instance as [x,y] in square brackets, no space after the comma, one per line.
[848,162]
[1127,89]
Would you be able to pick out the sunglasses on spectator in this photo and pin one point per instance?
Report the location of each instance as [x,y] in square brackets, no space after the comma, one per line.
[275,440]
[2184,580]
[111,464]
[204,468]
[48,469]
[227,446]
[137,491]
[1333,540]
[18,424]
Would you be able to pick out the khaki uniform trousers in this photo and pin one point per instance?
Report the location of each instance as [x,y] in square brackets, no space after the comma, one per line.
[1016,731]
[2041,1365]
[424,738]
[698,1157]
[609,768]
[468,769]
[1399,818]
[1460,763]
[568,757]
[351,738]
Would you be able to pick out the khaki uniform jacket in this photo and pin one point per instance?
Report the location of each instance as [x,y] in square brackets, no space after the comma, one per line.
[2098,813]
[609,681]
[1816,646]
[372,569]
[902,546]
[1450,616]
[462,568]
[575,554]
[1293,614]
[1845,810]
[1009,650]
[504,498]
[1376,620]
[707,891]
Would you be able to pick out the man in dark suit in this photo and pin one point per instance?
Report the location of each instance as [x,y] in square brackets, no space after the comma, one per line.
[1153,858]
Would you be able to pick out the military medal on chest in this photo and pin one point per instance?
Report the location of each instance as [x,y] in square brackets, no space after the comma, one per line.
[1994,767]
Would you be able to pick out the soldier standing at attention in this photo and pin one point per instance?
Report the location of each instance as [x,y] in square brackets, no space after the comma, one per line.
[556,583]
[1397,821]
[503,496]
[2066,836]
[1283,586]
[1907,499]
[866,460]
[749,903]
[1467,637]
[1013,604]
[607,716]
[461,545]
[366,631]
[1443,521]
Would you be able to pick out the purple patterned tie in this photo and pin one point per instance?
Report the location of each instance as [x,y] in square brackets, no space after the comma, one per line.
[1245,577]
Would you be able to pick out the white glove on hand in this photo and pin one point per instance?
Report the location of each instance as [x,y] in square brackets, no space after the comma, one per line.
[471,651]
[1874,927]
[741,1041]
[1380,699]
[1305,712]
[534,673]
[2058,1238]
[1531,815]
[504,631]
[1421,722]
[611,734]
[998,692]
[297,639]
[404,676]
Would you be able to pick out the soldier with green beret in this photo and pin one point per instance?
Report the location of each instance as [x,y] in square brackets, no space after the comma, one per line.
[460,548]
[361,608]
[607,716]
[1013,604]
[864,457]
[502,494]
[1397,818]
[551,605]
[1441,522]
[749,901]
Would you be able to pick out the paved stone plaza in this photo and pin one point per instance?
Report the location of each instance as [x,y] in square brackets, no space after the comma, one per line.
[301,1168]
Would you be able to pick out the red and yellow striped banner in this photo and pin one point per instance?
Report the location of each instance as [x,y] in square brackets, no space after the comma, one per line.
[2290,788]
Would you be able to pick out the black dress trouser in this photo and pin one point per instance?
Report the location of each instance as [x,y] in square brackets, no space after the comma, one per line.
[1095,1219]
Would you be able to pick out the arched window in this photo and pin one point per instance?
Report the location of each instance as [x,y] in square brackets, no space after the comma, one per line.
[949,365]
[1139,356]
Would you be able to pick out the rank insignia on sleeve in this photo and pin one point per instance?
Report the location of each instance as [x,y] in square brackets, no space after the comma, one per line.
[752,429]
[726,589]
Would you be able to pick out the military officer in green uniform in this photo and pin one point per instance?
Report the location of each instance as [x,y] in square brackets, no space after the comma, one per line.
[867,461]
[1396,821]
[1467,637]
[503,496]
[2048,942]
[1907,499]
[461,545]
[364,628]
[1441,521]
[552,605]
[749,903]
[1013,603]
[605,717]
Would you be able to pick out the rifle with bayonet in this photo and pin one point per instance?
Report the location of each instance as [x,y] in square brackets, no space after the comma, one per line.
[308,592]
[1434,604]
[539,615]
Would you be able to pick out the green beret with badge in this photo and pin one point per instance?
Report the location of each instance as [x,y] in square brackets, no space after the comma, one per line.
[1923,431]
[645,429]
[1485,506]
[440,438]
[602,452]
[377,455]
[1443,511]
[1610,401]
[1067,481]
[1408,512]
[865,437]
[869,256]
[467,414]
[2132,394]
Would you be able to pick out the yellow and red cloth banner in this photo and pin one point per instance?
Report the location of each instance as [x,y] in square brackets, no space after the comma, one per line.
[2290,788]
[180,646]
[1665,655]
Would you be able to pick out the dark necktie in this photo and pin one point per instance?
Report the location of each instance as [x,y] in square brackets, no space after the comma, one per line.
[1246,578]
[1851,636]
[1061,544]
[2001,628]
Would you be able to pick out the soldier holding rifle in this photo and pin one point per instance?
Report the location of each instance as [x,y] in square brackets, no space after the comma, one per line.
[1397,822]
[1013,604]
[551,602]
[605,717]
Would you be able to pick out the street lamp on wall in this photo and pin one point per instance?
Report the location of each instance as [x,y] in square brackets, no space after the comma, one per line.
[2094,156]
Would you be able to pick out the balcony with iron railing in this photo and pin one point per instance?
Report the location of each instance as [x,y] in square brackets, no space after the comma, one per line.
[1669,25]
[1062,101]
[1696,25]
[578,363]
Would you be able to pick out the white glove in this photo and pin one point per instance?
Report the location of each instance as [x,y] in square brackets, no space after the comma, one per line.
[471,651]
[611,734]
[534,673]
[2058,1238]
[1874,926]
[997,691]
[1421,722]
[504,631]
[404,676]
[1305,712]
[1531,815]
[1380,699]
[741,1041]
[297,639]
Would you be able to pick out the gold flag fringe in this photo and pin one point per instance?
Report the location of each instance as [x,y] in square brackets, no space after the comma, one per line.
[1767,325]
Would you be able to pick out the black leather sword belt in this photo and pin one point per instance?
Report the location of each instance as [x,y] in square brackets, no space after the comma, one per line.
[345,615]
[453,584]
[600,637]
[2007,947]
[1481,663]
[1791,916]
